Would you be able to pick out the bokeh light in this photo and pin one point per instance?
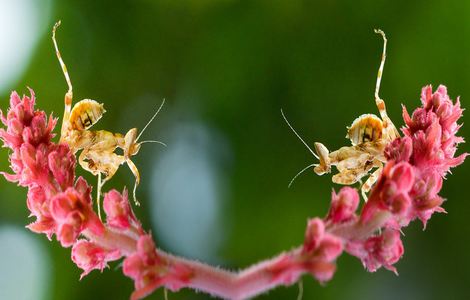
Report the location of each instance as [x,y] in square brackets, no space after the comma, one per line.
[25,271]
[187,189]
[22,23]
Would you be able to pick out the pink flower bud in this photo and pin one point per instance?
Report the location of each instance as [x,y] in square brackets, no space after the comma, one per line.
[62,165]
[314,234]
[322,271]
[142,266]
[33,167]
[146,250]
[330,248]
[44,225]
[383,250]
[88,256]
[37,201]
[403,176]
[399,149]
[37,132]
[118,210]
[83,189]
[343,205]
[73,214]
[133,267]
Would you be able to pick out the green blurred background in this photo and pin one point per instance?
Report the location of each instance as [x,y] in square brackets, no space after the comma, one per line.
[219,192]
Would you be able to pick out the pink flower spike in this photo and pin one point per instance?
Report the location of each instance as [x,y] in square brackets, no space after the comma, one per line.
[88,256]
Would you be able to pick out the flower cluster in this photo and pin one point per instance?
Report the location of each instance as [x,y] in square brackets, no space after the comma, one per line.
[407,189]
[412,178]
[62,204]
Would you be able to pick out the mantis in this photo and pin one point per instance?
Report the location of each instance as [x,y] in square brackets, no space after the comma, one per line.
[98,147]
[369,135]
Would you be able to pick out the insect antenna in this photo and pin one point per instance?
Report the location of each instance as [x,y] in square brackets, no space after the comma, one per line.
[151,119]
[59,57]
[298,174]
[151,141]
[300,138]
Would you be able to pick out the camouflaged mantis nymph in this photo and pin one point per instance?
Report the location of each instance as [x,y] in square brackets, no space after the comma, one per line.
[369,135]
[98,147]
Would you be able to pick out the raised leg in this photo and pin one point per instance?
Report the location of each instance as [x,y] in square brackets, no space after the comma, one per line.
[390,128]
[69,94]
[349,176]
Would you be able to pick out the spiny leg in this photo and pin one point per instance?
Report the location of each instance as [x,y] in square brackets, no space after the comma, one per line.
[349,176]
[84,161]
[101,183]
[352,175]
[136,173]
[387,122]
[98,194]
[381,68]
[371,181]
[69,94]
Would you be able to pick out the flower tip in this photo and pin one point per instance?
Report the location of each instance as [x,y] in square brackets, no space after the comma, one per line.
[442,89]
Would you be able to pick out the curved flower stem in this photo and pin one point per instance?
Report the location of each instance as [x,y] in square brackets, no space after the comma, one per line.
[232,285]
[284,269]
[113,240]
[360,230]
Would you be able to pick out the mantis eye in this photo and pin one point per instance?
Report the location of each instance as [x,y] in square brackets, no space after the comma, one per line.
[131,147]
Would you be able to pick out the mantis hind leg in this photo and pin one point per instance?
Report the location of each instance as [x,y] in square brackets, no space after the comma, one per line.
[69,94]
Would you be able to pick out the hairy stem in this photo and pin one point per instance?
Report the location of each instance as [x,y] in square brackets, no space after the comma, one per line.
[267,274]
